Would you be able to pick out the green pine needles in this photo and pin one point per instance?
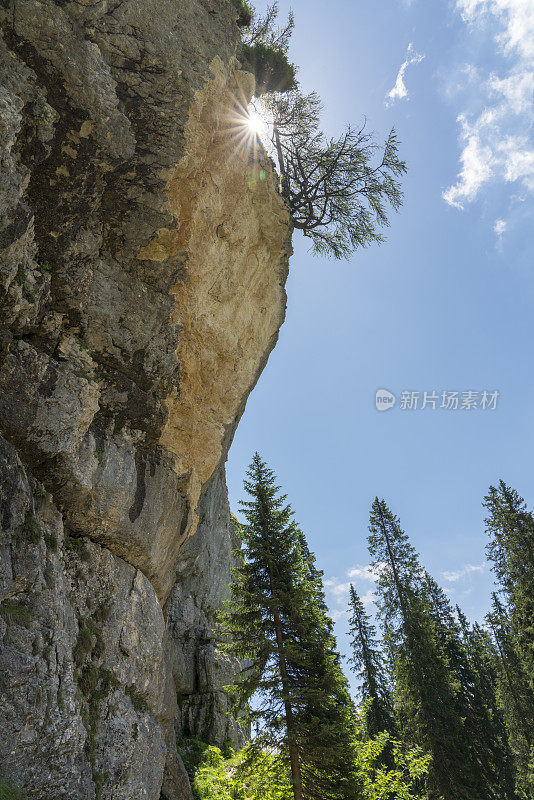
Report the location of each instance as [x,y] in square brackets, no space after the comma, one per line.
[277,622]
[338,190]
[446,709]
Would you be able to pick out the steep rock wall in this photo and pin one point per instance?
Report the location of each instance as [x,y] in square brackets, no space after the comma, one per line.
[143,255]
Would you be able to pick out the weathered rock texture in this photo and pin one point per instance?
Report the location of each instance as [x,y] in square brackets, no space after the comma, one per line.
[143,255]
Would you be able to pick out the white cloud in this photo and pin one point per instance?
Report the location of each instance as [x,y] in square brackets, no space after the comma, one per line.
[477,164]
[368,598]
[500,227]
[469,569]
[371,572]
[339,589]
[339,613]
[497,142]
[399,91]
[516,18]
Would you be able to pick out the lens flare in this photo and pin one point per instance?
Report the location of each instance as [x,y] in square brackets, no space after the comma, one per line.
[255,123]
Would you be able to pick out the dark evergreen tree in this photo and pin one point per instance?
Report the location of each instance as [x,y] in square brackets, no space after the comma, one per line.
[511,549]
[490,759]
[470,661]
[277,620]
[515,697]
[368,663]
[426,691]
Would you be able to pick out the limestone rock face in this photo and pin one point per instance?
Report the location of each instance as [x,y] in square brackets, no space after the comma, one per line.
[199,671]
[143,255]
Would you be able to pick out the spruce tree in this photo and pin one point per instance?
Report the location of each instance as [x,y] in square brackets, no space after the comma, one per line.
[490,761]
[276,620]
[514,695]
[368,663]
[511,549]
[425,689]
[490,755]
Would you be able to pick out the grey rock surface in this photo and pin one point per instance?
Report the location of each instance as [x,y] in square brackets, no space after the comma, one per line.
[142,271]
[200,671]
[82,678]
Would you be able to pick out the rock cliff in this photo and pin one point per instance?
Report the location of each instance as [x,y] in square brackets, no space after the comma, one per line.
[144,251]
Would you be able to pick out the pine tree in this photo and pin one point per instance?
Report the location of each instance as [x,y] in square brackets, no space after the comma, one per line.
[483,721]
[425,689]
[514,695]
[490,761]
[276,619]
[368,663]
[511,549]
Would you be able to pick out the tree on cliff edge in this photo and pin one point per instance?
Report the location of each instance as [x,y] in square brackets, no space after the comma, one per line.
[338,189]
[276,619]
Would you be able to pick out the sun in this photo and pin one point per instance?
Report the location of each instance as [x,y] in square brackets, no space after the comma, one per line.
[255,123]
[250,129]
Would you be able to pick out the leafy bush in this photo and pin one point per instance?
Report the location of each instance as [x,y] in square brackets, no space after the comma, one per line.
[255,774]
[192,752]
[239,777]
[405,780]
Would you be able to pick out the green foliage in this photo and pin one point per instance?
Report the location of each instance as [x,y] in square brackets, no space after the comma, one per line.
[514,696]
[270,67]
[76,544]
[264,51]
[367,661]
[435,687]
[138,700]
[338,190]
[16,612]
[399,775]
[245,13]
[32,531]
[240,778]
[256,774]
[277,622]
[88,637]
[511,549]
[192,752]
[51,541]
[72,542]
[8,791]
[21,275]
[488,756]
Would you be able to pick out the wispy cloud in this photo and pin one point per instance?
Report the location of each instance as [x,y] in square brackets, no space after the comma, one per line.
[338,588]
[463,572]
[497,141]
[399,90]
[371,572]
[500,227]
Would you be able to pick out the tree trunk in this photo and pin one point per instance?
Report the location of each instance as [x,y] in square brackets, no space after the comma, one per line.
[296,777]
[281,163]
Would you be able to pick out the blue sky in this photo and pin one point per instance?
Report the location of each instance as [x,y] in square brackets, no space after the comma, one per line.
[444,305]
